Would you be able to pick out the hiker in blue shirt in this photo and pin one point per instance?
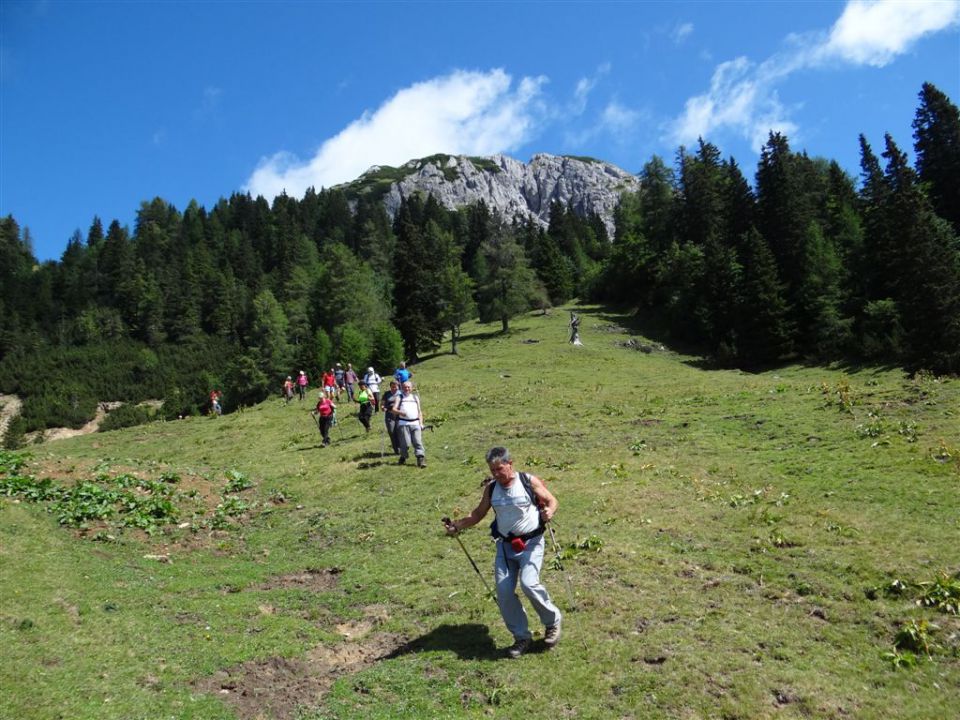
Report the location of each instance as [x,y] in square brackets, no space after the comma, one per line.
[402,374]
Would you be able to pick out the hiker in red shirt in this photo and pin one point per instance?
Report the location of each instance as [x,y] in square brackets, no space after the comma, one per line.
[324,415]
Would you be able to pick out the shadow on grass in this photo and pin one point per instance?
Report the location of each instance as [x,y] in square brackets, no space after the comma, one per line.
[318,446]
[652,327]
[469,641]
[498,333]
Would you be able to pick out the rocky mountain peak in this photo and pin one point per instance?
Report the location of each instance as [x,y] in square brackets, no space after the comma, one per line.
[505,184]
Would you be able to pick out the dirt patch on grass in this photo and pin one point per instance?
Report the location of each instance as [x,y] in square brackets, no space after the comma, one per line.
[311,579]
[278,687]
[10,406]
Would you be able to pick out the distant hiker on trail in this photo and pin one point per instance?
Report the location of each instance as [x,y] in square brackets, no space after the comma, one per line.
[365,398]
[409,414]
[215,407]
[575,329]
[338,375]
[324,414]
[390,416]
[402,374]
[351,379]
[288,389]
[522,506]
[329,384]
[302,383]
[373,382]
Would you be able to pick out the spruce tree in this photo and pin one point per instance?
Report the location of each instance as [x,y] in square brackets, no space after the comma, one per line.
[422,247]
[507,284]
[924,257]
[764,330]
[936,133]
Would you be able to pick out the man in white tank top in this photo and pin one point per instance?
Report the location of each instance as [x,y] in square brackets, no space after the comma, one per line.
[520,520]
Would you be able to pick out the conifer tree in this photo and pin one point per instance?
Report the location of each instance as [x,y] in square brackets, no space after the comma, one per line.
[765,332]
[936,133]
[507,285]
[924,271]
[268,341]
[423,249]
[553,268]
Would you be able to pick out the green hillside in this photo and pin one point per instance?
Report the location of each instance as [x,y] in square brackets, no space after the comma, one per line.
[781,544]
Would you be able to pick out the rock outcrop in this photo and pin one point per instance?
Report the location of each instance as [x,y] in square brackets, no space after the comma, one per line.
[506,185]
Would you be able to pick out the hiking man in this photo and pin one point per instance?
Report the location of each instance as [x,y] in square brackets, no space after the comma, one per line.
[390,416]
[402,374]
[351,379]
[339,375]
[373,380]
[406,407]
[302,385]
[324,414]
[522,505]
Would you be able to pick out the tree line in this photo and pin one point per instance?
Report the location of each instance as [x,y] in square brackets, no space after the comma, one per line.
[802,264]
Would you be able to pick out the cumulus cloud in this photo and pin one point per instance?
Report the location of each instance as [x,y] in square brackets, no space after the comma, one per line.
[465,112]
[743,98]
[874,33]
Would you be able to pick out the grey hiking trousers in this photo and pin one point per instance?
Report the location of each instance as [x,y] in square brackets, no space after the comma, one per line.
[410,434]
[524,567]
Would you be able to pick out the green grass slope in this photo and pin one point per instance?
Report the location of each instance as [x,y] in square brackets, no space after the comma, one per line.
[782,544]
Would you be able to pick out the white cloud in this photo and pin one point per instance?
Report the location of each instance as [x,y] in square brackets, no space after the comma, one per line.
[681,32]
[470,113]
[618,118]
[743,97]
[739,98]
[584,87]
[874,33]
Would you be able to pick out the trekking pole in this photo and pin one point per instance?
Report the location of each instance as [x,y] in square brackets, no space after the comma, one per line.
[559,562]
[486,585]
[337,423]
[382,433]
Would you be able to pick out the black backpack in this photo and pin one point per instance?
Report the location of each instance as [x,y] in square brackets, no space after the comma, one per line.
[528,486]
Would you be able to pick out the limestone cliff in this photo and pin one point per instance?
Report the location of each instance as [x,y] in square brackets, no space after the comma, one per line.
[506,185]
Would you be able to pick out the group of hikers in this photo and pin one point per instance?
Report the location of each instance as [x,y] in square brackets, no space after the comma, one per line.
[400,405]
[522,504]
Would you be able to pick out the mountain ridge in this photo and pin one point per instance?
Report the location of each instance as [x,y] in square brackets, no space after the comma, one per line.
[507,185]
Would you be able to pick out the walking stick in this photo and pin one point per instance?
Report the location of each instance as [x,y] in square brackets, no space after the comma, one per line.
[337,423]
[559,562]
[486,585]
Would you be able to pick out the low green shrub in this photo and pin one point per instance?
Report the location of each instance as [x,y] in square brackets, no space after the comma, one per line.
[126,416]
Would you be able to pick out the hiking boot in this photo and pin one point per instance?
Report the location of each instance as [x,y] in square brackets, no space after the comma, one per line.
[401,461]
[551,635]
[421,461]
[519,647]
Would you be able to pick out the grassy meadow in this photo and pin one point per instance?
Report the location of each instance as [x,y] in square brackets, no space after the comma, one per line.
[783,544]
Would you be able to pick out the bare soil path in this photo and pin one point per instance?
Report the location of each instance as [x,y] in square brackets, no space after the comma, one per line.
[9,408]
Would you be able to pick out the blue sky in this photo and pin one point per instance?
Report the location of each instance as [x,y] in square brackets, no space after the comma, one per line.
[104,105]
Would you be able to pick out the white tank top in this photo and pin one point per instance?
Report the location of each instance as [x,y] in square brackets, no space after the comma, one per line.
[516,514]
